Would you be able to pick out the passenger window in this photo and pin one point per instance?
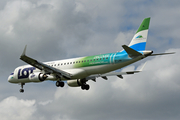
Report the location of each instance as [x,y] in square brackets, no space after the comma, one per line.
[103,58]
[87,60]
[76,61]
[97,59]
[107,58]
[82,61]
[73,62]
[79,61]
[61,64]
[100,58]
[64,63]
[94,59]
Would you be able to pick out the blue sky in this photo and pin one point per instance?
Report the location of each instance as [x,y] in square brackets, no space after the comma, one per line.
[57,29]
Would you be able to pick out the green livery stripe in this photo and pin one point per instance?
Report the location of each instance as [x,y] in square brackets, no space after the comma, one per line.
[144,25]
[93,60]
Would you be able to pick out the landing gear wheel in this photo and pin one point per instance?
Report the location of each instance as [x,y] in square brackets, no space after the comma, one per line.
[85,87]
[59,84]
[21,90]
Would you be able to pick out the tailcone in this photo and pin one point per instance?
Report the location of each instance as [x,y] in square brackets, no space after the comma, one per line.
[147,53]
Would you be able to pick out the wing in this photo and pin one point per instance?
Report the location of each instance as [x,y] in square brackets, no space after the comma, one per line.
[45,68]
[118,74]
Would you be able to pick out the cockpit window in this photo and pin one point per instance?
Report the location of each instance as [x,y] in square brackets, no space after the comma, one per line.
[12,74]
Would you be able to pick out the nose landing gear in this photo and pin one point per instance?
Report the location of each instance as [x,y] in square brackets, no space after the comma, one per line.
[22,90]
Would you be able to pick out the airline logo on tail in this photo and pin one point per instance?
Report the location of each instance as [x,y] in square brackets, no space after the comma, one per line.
[139,36]
[138,42]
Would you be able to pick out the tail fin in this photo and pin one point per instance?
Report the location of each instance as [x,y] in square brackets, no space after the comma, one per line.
[138,42]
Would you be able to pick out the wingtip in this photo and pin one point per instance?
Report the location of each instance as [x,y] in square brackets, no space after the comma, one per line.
[24,52]
[143,66]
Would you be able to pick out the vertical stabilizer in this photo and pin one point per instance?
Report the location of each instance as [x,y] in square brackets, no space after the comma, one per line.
[138,42]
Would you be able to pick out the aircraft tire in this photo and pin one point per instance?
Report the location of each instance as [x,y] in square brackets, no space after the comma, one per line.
[87,87]
[21,90]
[83,87]
[62,84]
[59,84]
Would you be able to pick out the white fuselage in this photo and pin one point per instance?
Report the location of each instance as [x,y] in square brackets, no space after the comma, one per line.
[21,74]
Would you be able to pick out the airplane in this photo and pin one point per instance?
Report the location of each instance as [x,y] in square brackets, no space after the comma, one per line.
[78,71]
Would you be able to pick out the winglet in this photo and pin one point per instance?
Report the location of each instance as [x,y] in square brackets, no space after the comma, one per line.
[24,52]
[143,67]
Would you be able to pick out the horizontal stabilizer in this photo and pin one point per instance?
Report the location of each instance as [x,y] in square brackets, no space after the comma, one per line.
[162,54]
[131,52]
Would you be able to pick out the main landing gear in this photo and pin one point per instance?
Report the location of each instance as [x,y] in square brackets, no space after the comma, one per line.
[22,90]
[60,84]
[83,84]
[85,87]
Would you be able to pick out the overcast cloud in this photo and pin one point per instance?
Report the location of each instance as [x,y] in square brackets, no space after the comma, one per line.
[60,29]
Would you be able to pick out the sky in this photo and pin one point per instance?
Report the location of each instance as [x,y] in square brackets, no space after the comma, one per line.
[60,29]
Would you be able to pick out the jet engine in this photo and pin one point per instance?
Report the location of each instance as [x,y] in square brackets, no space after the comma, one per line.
[78,83]
[75,83]
[37,77]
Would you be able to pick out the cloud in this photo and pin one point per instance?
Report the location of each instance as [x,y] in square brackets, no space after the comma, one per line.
[13,108]
[57,29]
[45,102]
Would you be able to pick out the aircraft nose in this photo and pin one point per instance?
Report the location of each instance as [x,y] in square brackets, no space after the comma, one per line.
[10,78]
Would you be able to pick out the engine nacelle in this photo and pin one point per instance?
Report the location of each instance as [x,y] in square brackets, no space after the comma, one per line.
[74,83]
[37,77]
